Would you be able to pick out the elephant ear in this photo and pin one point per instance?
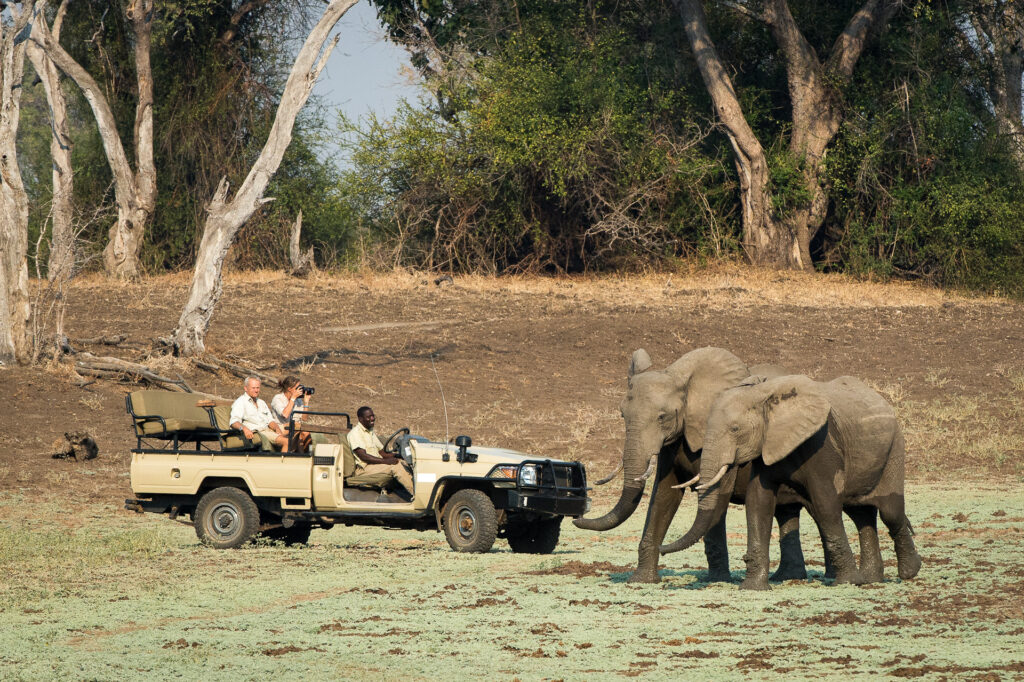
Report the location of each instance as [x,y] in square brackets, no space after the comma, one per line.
[795,409]
[705,373]
[639,362]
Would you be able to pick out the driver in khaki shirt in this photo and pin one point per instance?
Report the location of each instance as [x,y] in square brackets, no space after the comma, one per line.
[370,458]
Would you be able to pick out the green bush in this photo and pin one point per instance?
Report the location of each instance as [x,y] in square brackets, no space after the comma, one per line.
[555,157]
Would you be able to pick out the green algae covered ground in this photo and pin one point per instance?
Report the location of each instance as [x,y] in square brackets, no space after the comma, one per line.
[104,594]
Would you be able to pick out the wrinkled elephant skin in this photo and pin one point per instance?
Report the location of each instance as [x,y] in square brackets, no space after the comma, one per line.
[839,441]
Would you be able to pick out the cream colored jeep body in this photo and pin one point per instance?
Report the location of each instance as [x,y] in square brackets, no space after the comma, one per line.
[473,494]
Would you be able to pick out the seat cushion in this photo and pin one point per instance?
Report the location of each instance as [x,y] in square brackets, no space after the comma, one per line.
[174,425]
[378,480]
[348,459]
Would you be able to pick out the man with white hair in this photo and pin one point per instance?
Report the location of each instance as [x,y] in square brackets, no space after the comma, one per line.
[251,415]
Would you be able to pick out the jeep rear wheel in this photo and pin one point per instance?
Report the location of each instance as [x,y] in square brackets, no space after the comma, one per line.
[470,522]
[226,518]
[536,537]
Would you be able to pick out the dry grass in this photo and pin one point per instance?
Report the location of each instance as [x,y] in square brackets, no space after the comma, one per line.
[715,286]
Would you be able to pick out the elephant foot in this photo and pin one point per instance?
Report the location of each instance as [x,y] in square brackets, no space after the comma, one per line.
[644,577]
[909,565]
[849,577]
[871,574]
[788,572]
[755,583]
[719,575]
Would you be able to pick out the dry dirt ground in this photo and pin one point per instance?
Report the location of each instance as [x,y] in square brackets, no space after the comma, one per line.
[533,364]
[537,365]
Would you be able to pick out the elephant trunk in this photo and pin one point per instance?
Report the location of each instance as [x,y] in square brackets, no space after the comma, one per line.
[623,509]
[629,500]
[711,504]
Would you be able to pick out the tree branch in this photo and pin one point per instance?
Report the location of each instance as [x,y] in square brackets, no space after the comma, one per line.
[237,17]
[850,43]
[744,10]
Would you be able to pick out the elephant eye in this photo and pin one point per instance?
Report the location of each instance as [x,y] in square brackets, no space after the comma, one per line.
[735,428]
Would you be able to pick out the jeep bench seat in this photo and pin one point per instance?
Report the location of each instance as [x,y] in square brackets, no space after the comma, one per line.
[167,415]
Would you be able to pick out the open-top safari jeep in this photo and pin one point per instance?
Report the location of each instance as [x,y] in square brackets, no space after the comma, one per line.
[189,461]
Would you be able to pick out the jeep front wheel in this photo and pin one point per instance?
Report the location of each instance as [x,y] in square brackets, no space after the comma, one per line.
[226,518]
[537,537]
[470,521]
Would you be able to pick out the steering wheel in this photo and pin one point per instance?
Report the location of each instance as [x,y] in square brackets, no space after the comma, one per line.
[392,439]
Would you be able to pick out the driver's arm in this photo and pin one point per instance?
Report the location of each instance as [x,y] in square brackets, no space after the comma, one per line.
[370,459]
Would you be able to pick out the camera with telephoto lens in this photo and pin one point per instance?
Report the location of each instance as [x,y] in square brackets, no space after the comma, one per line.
[307,390]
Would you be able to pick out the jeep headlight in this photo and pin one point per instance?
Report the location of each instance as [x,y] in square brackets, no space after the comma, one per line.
[529,475]
[509,471]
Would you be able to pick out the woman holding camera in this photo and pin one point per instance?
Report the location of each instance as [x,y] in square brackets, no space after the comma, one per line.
[293,396]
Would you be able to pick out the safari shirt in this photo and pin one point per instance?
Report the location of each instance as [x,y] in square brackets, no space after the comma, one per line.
[361,437]
[279,402]
[254,416]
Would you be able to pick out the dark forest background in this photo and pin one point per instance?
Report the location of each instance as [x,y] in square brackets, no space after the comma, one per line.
[556,136]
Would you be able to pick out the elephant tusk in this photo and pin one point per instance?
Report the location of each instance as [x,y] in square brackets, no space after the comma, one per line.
[609,477]
[716,479]
[688,483]
[650,469]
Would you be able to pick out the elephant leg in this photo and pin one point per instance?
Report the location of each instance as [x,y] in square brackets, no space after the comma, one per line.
[717,552]
[662,508]
[830,567]
[829,515]
[871,570]
[791,562]
[760,506]
[908,561]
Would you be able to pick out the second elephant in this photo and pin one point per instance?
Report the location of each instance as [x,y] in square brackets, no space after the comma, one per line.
[837,444]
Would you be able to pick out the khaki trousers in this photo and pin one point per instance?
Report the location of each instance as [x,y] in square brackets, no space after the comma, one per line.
[397,471]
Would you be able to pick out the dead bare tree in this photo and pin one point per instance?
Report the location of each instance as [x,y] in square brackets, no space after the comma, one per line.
[224,217]
[62,242]
[784,241]
[302,263]
[15,309]
[134,191]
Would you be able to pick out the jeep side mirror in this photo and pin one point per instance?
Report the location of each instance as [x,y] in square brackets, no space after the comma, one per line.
[462,442]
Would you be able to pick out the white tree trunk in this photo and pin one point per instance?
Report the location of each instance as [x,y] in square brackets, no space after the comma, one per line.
[224,218]
[135,193]
[302,263]
[14,300]
[62,242]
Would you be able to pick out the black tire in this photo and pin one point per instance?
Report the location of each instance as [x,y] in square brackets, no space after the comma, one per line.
[470,522]
[537,537]
[226,518]
[296,535]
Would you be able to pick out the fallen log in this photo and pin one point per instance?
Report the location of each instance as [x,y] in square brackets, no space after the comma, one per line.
[87,363]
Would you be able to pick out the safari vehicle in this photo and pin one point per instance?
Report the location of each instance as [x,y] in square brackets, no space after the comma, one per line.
[189,462]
